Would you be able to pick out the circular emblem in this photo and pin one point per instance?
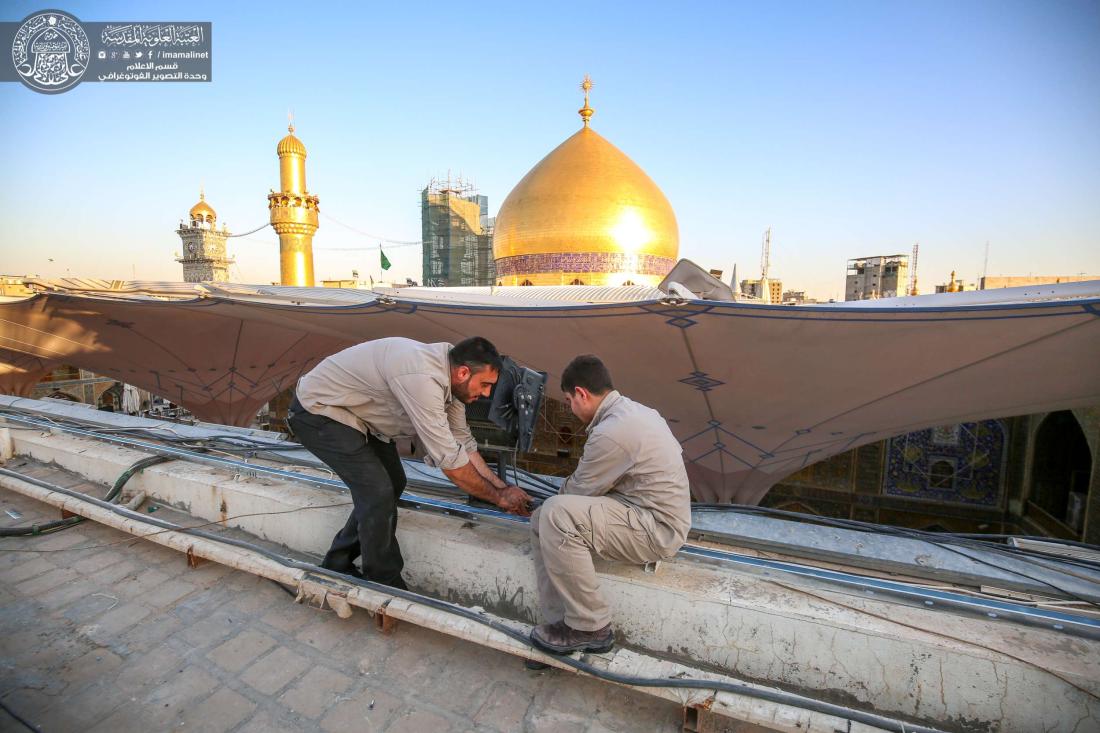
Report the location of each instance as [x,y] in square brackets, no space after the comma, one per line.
[50,51]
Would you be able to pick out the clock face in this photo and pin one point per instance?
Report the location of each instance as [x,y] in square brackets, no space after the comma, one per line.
[191,247]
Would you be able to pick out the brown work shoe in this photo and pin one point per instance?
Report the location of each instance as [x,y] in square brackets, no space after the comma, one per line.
[558,638]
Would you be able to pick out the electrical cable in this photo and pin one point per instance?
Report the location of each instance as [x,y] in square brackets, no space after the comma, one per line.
[57,526]
[284,589]
[349,227]
[26,723]
[265,225]
[135,538]
[774,696]
[872,527]
[919,535]
[1034,537]
[932,538]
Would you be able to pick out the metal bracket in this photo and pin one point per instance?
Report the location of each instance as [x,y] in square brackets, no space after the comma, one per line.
[386,624]
[193,560]
[699,719]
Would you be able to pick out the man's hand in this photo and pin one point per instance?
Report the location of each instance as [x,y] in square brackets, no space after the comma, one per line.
[514,500]
[510,498]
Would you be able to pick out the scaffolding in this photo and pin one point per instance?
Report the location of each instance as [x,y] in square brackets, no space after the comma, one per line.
[457,234]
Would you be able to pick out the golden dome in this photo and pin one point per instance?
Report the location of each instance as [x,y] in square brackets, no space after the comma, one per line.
[202,211]
[585,213]
[290,145]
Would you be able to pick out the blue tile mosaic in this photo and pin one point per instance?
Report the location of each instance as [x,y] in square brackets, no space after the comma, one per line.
[957,463]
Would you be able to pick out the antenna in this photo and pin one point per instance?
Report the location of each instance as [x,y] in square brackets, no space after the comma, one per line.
[766,253]
[913,269]
[985,265]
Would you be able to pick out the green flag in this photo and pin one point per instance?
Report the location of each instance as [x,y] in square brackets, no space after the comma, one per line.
[385,260]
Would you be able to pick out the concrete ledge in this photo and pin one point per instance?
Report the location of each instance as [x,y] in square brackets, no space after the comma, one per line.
[341,597]
[932,666]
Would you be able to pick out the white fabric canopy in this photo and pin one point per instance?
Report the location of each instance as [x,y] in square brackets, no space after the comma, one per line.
[753,392]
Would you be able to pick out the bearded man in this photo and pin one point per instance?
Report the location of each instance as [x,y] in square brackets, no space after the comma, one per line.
[352,406]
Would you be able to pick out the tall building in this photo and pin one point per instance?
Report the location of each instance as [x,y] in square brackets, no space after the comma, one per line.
[586,214]
[293,213]
[880,276]
[203,256]
[457,235]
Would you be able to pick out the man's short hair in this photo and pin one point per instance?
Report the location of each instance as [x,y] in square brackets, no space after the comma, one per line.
[588,372]
[475,353]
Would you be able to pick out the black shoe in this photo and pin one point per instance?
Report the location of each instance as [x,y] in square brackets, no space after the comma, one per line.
[534,666]
[399,583]
[559,638]
[344,570]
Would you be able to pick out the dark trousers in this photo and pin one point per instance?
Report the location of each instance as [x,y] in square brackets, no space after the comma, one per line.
[372,470]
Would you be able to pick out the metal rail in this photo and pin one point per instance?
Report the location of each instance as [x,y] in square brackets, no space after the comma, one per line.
[866,587]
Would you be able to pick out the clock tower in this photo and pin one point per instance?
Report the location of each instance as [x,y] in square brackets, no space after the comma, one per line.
[203,257]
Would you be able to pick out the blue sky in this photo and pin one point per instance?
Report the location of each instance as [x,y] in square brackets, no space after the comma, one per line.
[851,128]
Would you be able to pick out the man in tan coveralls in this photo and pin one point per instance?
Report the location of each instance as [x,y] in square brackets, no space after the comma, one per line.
[352,406]
[628,500]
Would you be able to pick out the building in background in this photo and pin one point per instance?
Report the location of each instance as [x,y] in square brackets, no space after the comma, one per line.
[80,386]
[354,283]
[1015,281]
[293,213]
[203,257]
[879,276]
[1029,475]
[351,284]
[796,297]
[586,214]
[955,285]
[13,286]
[457,235]
[768,290]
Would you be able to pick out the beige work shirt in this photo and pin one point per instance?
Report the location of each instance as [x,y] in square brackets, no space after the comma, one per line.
[393,388]
[632,456]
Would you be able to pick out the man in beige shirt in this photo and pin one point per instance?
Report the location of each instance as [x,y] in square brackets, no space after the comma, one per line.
[628,500]
[351,407]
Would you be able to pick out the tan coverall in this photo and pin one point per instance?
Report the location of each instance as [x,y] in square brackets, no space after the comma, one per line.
[628,500]
[393,388]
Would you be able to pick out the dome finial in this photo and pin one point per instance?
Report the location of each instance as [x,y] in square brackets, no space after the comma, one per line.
[290,121]
[202,212]
[586,112]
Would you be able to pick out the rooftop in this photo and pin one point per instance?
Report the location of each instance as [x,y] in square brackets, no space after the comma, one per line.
[104,632]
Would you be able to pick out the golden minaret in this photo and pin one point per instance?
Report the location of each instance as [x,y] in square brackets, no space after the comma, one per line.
[293,213]
[953,285]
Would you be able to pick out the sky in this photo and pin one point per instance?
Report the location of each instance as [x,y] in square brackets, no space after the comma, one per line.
[850,128]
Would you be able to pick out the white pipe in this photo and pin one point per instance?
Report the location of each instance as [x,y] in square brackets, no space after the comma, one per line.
[787,718]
